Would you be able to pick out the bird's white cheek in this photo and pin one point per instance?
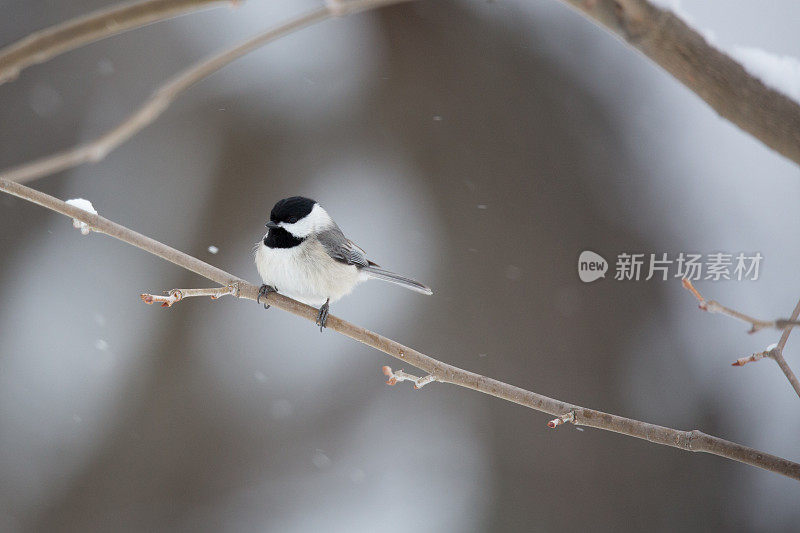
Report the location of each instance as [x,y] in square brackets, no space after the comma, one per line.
[317,219]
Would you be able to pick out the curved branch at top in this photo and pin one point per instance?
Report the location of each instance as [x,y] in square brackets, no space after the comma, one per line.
[45,44]
[724,84]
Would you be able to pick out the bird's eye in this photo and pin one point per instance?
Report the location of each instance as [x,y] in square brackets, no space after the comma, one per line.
[292,220]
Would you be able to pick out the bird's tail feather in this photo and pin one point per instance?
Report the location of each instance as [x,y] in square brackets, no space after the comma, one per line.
[391,277]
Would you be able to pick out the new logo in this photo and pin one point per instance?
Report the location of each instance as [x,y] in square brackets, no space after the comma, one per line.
[591,266]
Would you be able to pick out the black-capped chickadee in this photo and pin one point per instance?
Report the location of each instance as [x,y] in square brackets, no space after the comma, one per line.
[305,256]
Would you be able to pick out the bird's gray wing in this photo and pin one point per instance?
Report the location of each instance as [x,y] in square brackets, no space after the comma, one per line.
[342,249]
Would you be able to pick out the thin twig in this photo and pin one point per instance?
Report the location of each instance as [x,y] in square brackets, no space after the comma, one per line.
[755,357]
[755,324]
[43,45]
[97,149]
[695,441]
[777,353]
[724,84]
[397,377]
[774,351]
[563,419]
[788,331]
[176,295]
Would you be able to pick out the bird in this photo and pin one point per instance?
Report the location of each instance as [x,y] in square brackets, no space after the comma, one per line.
[304,255]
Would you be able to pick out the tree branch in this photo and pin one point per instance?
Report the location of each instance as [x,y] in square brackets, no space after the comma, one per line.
[97,149]
[775,351]
[153,108]
[45,44]
[694,441]
[724,84]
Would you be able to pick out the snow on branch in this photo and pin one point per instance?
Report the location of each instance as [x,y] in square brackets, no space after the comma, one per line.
[782,73]
[779,72]
[693,441]
[87,206]
[666,38]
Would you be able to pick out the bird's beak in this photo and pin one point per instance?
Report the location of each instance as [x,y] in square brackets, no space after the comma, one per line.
[271,225]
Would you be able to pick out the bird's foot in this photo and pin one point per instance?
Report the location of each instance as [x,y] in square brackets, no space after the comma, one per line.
[322,318]
[263,292]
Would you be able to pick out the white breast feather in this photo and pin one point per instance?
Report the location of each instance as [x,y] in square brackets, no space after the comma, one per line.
[306,272]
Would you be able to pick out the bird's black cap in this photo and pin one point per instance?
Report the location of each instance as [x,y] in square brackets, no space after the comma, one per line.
[291,209]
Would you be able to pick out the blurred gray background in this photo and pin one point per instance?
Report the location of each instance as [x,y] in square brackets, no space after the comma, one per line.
[478,147]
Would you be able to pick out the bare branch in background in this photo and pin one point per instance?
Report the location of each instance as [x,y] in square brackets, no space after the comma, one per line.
[774,351]
[755,357]
[694,441]
[724,84]
[153,108]
[43,45]
[756,325]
